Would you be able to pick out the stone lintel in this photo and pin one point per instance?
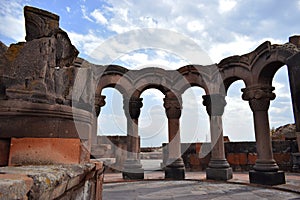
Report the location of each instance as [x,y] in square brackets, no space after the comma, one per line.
[267,178]
[222,174]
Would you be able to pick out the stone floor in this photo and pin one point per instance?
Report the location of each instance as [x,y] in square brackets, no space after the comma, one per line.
[196,187]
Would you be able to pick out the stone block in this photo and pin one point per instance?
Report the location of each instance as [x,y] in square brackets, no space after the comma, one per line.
[15,186]
[194,160]
[267,178]
[282,158]
[37,151]
[252,158]
[237,158]
[198,148]
[4,149]
[177,173]
[136,174]
[296,162]
[222,174]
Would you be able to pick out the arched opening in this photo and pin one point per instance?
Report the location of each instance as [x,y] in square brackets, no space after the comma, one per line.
[153,129]
[194,119]
[281,110]
[112,120]
[112,130]
[237,117]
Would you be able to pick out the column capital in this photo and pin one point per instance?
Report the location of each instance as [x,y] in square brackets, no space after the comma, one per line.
[259,97]
[99,102]
[132,107]
[173,107]
[215,104]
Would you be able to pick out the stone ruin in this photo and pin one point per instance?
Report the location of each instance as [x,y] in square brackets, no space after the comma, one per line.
[37,125]
[50,100]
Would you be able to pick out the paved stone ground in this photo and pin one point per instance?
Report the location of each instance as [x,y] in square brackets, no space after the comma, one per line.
[196,187]
[191,190]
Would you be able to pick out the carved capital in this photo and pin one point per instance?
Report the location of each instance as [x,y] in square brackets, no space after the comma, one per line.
[173,108]
[215,104]
[259,97]
[132,107]
[99,102]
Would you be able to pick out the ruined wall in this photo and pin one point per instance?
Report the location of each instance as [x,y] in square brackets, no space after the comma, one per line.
[240,155]
[37,87]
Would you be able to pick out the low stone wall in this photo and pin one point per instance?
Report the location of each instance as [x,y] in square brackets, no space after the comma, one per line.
[52,182]
[240,155]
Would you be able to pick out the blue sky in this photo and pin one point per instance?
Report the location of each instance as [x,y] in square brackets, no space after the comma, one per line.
[220,27]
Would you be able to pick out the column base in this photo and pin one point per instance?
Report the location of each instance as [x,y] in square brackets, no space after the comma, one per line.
[175,173]
[175,170]
[135,174]
[133,170]
[296,162]
[267,178]
[221,174]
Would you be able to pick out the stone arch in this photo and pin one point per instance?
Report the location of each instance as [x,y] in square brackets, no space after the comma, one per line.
[117,77]
[189,76]
[268,61]
[152,77]
[233,69]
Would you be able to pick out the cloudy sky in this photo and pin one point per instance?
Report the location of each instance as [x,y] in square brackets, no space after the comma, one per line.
[220,28]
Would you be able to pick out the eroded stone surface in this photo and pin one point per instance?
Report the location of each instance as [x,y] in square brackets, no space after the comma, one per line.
[54,181]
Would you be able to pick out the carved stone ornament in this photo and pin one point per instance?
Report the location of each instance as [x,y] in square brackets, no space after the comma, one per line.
[132,107]
[99,102]
[259,97]
[215,104]
[173,108]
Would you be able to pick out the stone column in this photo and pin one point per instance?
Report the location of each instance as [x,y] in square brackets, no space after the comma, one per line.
[218,167]
[132,168]
[293,65]
[174,167]
[265,168]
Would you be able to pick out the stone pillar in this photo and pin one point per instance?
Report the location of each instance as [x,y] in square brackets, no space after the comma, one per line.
[174,167]
[265,169]
[99,102]
[218,167]
[293,64]
[132,168]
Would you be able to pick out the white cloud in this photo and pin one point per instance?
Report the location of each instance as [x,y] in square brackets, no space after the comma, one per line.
[99,16]
[68,9]
[226,5]
[85,43]
[84,13]
[12,20]
[195,25]
[282,89]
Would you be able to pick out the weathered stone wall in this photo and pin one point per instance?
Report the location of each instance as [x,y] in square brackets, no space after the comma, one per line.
[52,182]
[240,155]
